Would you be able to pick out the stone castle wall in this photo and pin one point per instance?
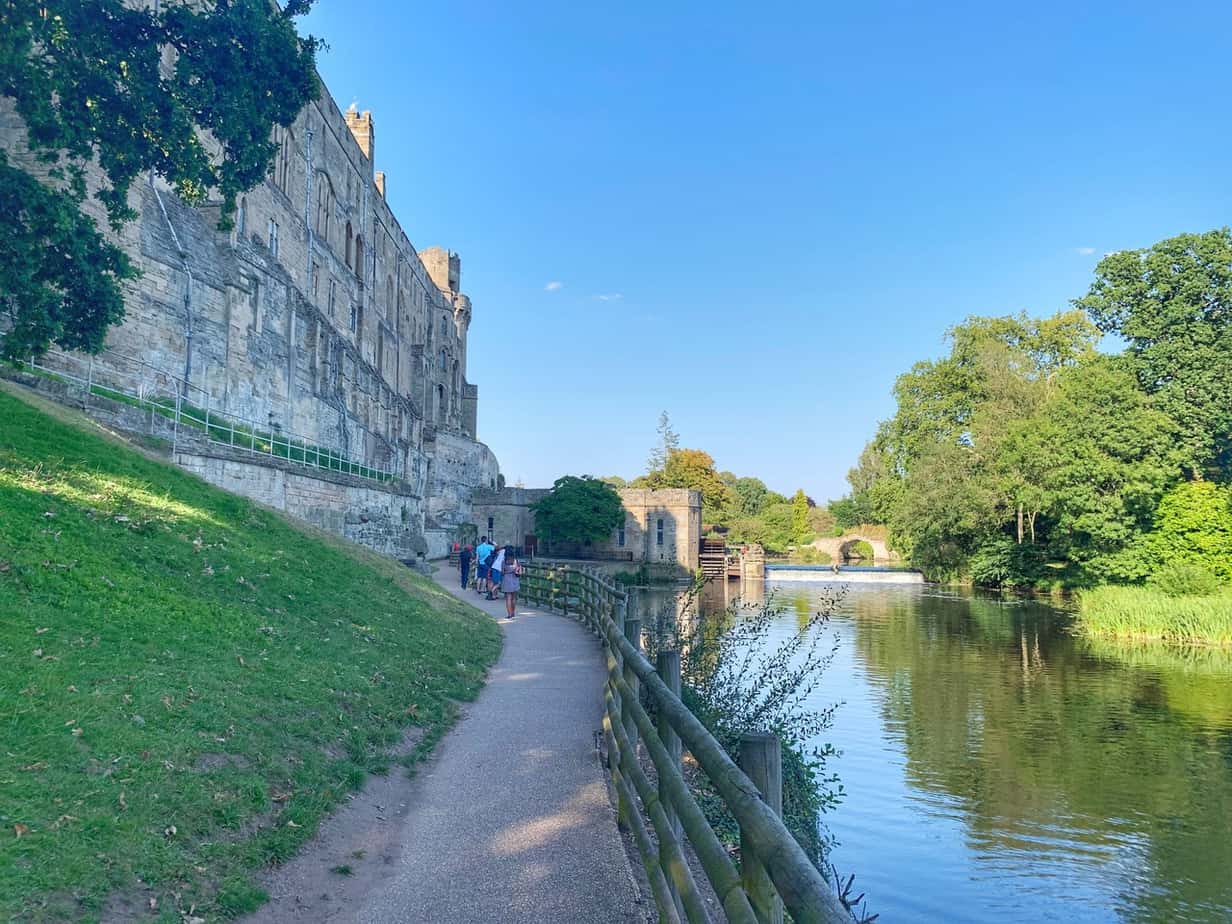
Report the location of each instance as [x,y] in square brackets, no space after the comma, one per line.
[662,528]
[315,316]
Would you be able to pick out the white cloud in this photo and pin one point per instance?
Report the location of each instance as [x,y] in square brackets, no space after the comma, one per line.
[1084,251]
[610,297]
[554,286]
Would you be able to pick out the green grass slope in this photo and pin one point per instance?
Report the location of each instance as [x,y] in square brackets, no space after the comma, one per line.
[188,683]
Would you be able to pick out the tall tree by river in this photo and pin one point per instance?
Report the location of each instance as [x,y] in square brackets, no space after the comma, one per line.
[1026,456]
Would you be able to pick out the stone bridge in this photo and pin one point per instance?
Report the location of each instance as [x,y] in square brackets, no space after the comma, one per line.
[839,548]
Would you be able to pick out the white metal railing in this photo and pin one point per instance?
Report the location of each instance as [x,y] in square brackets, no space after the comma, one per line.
[171,396]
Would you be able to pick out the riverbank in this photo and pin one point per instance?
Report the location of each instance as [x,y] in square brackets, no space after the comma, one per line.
[194,682]
[1148,615]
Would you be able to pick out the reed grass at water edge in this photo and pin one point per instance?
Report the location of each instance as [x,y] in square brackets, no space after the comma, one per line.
[1145,614]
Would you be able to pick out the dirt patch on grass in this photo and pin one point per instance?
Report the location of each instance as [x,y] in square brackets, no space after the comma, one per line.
[215,761]
[352,854]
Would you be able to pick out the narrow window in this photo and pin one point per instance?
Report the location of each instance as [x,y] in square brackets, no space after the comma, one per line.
[491,527]
[620,537]
[359,256]
[333,295]
[444,361]
[348,244]
[273,238]
[316,280]
[380,349]
[659,533]
[354,321]
[255,296]
[241,220]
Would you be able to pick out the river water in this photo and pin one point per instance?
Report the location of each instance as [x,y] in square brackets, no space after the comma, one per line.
[998,768]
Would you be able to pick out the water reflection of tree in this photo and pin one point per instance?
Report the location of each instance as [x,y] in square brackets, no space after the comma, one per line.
[1001,709]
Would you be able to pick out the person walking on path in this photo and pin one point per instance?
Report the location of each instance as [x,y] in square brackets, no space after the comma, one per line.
[494,576]
[464,562]
[482,555]
[510,583]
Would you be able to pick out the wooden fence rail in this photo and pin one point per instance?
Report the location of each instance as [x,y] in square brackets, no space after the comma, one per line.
[776,873]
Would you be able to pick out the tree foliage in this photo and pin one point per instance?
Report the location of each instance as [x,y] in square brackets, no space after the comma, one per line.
[1193,524]
[68,289]
[1021,456]
[185,90]
[1172,303]
[578,509]
[668,442]
[800,532]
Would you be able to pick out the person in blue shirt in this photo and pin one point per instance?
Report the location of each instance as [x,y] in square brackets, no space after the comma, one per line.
[483,554]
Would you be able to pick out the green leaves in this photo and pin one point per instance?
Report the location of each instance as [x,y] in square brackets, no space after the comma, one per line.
[1172,302]
[59,278]
[578,509]
[185,90]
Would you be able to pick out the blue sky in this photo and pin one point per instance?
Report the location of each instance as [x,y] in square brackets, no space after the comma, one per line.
[756,216]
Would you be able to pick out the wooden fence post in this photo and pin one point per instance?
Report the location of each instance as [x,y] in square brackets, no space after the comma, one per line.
[761,758]
[633,632]
[668,668]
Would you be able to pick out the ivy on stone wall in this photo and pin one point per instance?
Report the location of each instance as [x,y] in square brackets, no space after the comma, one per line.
[190,91]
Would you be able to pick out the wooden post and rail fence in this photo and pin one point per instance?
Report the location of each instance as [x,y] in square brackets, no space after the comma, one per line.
[775,872]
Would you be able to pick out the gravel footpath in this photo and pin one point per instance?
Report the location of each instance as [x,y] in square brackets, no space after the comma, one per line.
[509,820]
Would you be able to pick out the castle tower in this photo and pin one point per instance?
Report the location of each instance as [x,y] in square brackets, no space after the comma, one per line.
[360,124]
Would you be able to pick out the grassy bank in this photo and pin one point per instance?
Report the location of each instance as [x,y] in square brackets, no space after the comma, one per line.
[1146,614]
[188,683]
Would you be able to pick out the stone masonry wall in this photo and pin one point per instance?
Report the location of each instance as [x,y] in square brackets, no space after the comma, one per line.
[675,546]
[379,519]
[315,316]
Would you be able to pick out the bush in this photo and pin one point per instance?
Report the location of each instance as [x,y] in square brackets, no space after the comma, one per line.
[808,555]
[862,550]
[1002,562]
[1193,523]
[737,680]
[1185,579]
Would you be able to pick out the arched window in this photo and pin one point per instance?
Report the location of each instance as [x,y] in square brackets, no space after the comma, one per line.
[348,244]
[444,361]
[285,139]
[325,206]
[444,327]
[241,218]
[440,403]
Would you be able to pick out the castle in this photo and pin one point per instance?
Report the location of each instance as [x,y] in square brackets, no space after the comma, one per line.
[315,316]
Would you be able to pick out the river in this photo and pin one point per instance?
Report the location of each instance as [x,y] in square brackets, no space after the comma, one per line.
[998,768]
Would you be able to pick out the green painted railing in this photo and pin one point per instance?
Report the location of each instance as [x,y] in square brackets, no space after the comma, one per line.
[774,872]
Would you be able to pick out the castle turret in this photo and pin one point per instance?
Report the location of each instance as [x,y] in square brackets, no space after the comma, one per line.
[445,268]
[360,124]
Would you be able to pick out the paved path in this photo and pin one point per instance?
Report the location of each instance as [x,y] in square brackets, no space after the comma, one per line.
[511,820]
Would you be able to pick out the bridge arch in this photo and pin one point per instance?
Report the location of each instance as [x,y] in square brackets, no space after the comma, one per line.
[839,547]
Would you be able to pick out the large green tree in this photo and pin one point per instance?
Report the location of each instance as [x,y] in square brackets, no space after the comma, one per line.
[939,472]
[1172,303]
[578,509]
[185,90]
[1105,457]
